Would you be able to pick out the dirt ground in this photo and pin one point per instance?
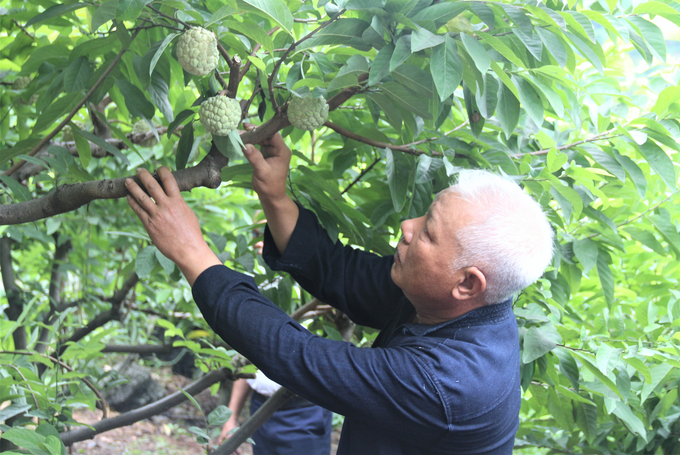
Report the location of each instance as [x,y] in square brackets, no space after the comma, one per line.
[166,434]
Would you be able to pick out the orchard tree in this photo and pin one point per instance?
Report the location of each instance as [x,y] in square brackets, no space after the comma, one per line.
[382,102]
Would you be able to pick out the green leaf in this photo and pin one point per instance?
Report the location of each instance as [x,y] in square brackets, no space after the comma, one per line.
[145,261]
[129,10]
[440,13]
[554,45]
[135,101]
[651,7]
[500,47]
[607,358]
[277,10]
[538,341]
[641,368]
[606,278]
[23,437]
[159,52]
[219,416]
[20,192]
[185,146]
[106,12]
[342,31]
[667,229]
[158,90]
[77,74]
[586,419]
[633,422]
[652,35]
[586,253]
[477,52]
[402,51]
[573,395]
[253,31]
[83,147]
[182,116]
[659,372]
[660,162]
[54,11]
[407,99]
[507,110]
[103,144]
[446,68]
[487,100]
[380,67]
[398,168]
[531,42]
[422,38]
[55,110]
[635,173]
[228,9]
[530,100]
[588,362]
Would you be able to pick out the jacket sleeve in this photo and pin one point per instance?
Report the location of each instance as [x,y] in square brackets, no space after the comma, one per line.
[367,384]
[356,282]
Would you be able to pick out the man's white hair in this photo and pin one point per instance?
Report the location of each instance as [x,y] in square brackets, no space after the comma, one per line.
[509,239]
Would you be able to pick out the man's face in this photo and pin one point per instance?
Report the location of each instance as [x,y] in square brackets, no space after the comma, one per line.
[428,247]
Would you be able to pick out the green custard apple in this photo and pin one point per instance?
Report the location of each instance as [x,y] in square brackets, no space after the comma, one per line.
[197,51]
[220,115]
[141,127]
[307,113]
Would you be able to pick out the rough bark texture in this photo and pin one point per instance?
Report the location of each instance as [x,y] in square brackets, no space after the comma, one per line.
[14,298]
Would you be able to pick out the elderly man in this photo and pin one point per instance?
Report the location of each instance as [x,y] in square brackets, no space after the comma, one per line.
[443,374]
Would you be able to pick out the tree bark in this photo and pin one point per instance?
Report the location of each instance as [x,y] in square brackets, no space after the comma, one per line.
[162,405]
[13,293]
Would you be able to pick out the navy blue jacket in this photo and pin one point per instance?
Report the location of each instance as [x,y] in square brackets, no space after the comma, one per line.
[451,388]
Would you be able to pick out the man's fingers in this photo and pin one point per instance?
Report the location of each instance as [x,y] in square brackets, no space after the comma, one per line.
[142,199]
[169,182]
[139,211]
[151,185]
[253,156]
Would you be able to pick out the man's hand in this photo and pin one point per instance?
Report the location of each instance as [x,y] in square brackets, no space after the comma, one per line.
[171,224]
[269,174]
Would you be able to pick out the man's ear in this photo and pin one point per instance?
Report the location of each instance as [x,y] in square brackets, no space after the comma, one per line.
[472,284]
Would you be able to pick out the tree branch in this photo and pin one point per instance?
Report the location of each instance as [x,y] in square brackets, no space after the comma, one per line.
[12,291]
[400,148]
[360,176]
[143,349]
[162,405]
[74,111]
[116,301]
[267,409]
[67,198]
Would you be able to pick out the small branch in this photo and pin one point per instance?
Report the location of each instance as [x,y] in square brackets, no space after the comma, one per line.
[309,306]
[268,408]
[652,208]
[168,17]
[257,47]
[162,405]
[597,137]
[74,111]
[360,176]
[291,48]
[28,384]
[400,148]
[223,52]
[105,406]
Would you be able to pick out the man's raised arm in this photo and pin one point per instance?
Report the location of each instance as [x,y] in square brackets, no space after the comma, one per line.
[269,182]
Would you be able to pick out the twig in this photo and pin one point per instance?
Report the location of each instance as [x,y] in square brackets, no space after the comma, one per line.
[35,399]
[360,176]
[105,406]
[597,137]
[652,208]
[179,21]
[400,148]
[23,29]
[74,111]
[291,48]
[257,47]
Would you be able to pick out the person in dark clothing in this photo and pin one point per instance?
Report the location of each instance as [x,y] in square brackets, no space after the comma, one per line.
[443,375]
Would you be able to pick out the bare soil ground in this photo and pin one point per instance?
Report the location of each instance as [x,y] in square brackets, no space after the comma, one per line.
[166,434]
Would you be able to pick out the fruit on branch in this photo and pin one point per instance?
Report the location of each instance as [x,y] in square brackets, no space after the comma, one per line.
[67,131]
[220,115]
[141,127]
[307,113]
[21,83]
[197,51]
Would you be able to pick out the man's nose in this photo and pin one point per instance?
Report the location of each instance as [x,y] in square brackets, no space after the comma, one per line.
[407,230]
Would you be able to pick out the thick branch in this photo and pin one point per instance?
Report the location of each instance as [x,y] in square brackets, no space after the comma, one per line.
[12,291]
[143,349]
[162,405]
[74,111]
[60,255]
[267,409]
[67,198]
[116,301]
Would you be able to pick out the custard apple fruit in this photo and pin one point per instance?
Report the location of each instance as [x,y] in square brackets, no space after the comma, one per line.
[67,131]
[197,51]
[141,127]
[220,115]
[21,83]
[307,113]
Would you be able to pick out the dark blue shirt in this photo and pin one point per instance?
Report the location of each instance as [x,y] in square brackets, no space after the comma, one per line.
[451,388]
